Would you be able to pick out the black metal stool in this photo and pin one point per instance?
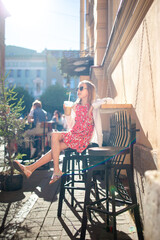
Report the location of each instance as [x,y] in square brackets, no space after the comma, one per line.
[122,138]
[112,184]
[71,168]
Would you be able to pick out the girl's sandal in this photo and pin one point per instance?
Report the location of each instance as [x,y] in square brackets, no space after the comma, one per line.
[22,169]
[55,177]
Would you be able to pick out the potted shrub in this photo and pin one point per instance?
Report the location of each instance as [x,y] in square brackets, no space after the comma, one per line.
[11,129]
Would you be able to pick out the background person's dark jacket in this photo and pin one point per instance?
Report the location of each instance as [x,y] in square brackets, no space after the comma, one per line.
[39,115]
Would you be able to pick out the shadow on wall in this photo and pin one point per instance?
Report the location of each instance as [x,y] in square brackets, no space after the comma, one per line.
[144,160]
[143,150]
[145,157]
[112,92]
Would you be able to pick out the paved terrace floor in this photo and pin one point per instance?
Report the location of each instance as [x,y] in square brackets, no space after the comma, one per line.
[32,214]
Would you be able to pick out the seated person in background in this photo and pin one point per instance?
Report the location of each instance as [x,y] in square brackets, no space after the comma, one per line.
[36,116]
[57,121]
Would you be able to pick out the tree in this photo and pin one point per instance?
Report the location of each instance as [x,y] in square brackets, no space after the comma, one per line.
[11,126]
[52,99]
[27,99]
[64,69]
[63,66]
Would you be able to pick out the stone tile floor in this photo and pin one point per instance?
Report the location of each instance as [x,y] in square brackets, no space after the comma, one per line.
[32,214]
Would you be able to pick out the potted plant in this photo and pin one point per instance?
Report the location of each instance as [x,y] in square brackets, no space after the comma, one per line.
[11,129]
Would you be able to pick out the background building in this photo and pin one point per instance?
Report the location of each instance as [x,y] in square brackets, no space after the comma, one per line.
[37,71]
[3,15]
[26,68]
[54,75]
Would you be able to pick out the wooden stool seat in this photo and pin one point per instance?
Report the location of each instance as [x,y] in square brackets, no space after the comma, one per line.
[108,151]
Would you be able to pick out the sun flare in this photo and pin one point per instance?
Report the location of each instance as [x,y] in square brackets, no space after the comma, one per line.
[26,11]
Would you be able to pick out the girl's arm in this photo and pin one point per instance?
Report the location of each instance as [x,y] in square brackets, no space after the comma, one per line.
[90,111]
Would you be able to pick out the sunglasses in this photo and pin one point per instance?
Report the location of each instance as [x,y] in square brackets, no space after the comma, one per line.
[81,88]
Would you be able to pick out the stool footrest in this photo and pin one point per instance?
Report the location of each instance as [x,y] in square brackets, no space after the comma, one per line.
[70,182]
[111,213]
[76,188]
[74,172]
[109,199]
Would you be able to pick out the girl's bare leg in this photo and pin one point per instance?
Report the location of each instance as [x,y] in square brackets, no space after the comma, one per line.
[28,170]
[56,147]
[43,160]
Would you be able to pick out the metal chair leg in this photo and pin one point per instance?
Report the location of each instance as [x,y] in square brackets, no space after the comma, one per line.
[62,189]
[112,190]
[134,200]
[72,190]
[107,173]
[86,201]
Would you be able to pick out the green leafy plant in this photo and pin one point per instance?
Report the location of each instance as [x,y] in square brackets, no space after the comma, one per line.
[11,124]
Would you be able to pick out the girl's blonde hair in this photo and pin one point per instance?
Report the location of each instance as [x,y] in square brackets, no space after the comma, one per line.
[91,91]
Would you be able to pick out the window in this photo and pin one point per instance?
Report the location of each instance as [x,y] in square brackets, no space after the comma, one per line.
[53,81]
[38,73]
[72,83]
[64,82]
[27,87]
[26,73]
[38,87]
[54,69]
[19,73]
[11,73]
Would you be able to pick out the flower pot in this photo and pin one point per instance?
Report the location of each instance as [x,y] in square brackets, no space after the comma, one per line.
[11,183]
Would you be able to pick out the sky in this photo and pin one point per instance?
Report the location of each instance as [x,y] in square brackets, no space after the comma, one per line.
[40,24]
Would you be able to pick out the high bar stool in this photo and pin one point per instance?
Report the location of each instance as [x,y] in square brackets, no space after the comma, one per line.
[113,184]
[71,167]
[112,163]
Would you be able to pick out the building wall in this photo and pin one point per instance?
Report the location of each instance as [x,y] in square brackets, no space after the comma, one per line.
[129,73]
[54,74]
[2,48]
[3,15]
[136,81]
[26,68]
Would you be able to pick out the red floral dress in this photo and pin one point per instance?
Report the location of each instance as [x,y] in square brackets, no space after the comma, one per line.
[80,135]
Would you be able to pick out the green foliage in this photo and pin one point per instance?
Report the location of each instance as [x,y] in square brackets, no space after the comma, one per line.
[11,126]
[63,66]
[66,68]
[27,99]
[53,98]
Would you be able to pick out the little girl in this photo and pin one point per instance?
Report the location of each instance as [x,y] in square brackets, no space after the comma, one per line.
[78,137]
